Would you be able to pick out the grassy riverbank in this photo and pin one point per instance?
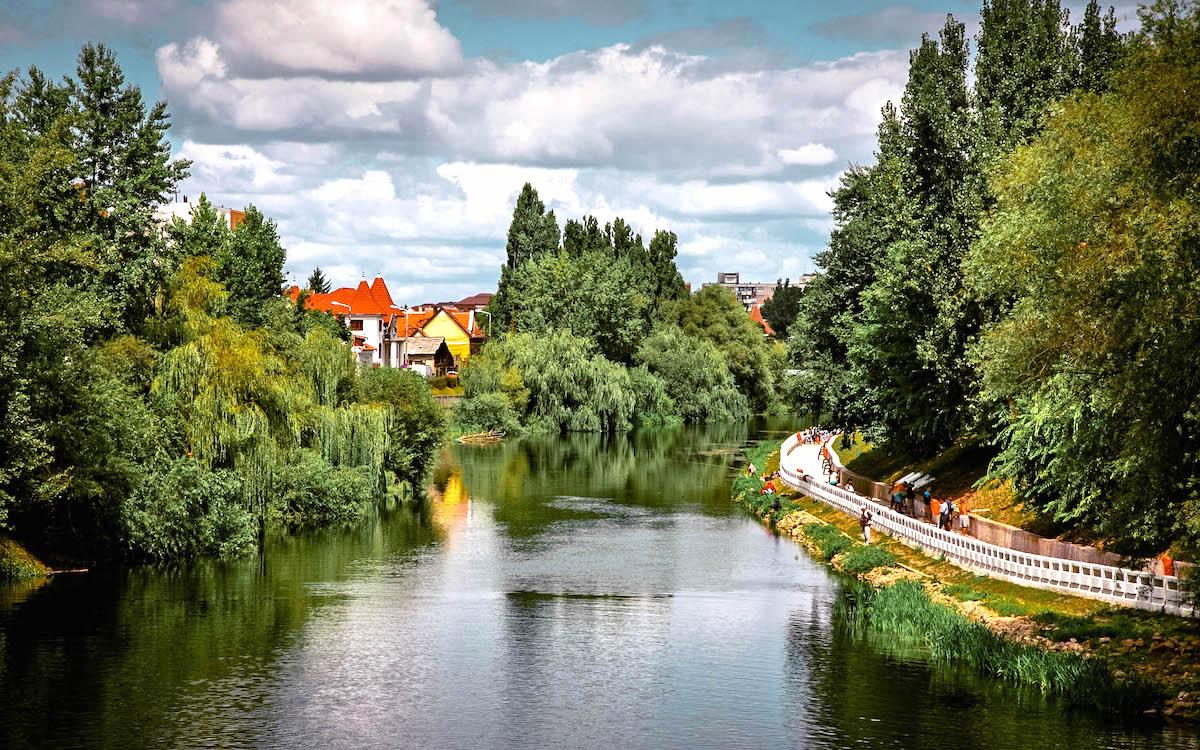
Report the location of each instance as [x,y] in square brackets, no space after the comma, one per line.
[17,564]
[1043,639]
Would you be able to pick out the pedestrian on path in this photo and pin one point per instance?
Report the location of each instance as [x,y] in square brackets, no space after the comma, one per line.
[864,520]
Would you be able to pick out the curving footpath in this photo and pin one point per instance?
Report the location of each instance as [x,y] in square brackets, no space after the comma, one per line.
[1131,588]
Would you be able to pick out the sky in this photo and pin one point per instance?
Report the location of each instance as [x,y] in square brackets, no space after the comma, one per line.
[391,137]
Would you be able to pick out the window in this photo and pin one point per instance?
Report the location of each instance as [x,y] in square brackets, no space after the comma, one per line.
[356,324]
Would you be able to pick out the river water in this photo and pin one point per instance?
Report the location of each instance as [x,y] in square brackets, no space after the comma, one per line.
[581,592]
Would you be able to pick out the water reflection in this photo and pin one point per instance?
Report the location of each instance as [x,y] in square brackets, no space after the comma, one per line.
[581,592]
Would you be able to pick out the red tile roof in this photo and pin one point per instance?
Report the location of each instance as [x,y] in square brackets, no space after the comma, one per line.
[757,316]
[374,299]
[364,299]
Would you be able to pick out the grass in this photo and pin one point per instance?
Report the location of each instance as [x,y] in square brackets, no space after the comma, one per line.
[828,539]
[904,610]
[863,558]
[16,564]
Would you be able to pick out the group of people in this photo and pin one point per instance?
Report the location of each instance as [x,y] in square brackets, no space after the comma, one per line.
[768,486]
[813,435]
[943,512]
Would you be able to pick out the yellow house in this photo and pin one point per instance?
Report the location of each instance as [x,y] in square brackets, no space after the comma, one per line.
[463,335]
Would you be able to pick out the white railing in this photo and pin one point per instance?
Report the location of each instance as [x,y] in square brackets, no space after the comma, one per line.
[1133,588]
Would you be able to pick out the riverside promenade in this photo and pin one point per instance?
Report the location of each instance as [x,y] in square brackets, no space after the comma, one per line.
[800,468]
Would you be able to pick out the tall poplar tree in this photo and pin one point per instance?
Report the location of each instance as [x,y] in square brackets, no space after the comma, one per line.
[533,233]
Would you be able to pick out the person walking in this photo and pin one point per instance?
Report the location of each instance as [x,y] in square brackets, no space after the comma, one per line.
[864,521]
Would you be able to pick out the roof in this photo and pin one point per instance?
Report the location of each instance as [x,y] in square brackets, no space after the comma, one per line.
[364,299]
[757,316]
[476,300]
[420,345]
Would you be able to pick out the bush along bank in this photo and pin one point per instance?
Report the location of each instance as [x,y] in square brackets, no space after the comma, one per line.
[17,564]
[924,603]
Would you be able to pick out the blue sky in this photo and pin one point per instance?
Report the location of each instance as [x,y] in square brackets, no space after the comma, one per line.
[391,136]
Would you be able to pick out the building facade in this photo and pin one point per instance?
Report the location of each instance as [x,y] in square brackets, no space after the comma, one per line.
[751,293]
[381,328]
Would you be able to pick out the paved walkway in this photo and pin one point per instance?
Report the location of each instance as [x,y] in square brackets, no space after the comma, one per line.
[1136,588]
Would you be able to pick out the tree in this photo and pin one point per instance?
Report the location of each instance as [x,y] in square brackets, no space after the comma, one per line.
[593,295]
[125,158]
[565,384]
[695,375]
[870,212]
[782,308]
[713,314]
[317,283]
[666,283]
[1098,48]
[910,347]
[250,266]
[1094,242]
[1024,63]
[532,234]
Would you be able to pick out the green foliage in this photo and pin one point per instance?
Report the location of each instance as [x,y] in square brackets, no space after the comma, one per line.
[182,509]
[904,613]
[595,294]
[532,234]
[568,385]
[136,418]
[829,539]
[714,315]
[485,412]
[16,564]
[416,421]
[694,376]
[314,492]
[781,309]
[250,266]
[863,558]
[883,336]
[1089,364]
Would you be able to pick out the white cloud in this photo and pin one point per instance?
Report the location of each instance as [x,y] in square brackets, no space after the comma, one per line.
[809,155]
[345,38]
[372,164]
[236,168]
[651,109]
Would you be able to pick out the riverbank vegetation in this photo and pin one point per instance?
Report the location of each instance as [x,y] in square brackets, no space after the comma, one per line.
[1152,659]
[1017,268]
[594,330]
[159,399]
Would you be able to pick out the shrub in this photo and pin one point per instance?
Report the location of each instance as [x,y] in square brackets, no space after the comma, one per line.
[489,411]
[312,492]
[180,509]
[863,558]
[16,564]
[829,539]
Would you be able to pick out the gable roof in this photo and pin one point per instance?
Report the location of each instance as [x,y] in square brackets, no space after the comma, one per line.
[364,299]
[757,316]
[424,344]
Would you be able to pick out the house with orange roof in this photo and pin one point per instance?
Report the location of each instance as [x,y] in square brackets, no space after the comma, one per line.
[382,329]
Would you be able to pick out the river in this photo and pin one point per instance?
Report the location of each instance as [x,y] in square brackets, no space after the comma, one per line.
[581,592]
